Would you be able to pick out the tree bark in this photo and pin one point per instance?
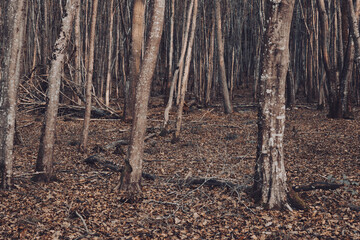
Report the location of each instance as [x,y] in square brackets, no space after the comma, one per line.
[44,163]
[354,28]
[137,41]
[270,186]
[108,76]
[225,90]
[89,76]
[185,75]
[131,177]
[10,75]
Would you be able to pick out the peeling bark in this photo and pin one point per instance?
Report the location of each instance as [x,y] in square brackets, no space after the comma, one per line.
[270,186]
[44,163]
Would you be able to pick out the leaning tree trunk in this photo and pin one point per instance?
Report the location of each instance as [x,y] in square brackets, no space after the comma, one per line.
[10,75]
[89,76]
[44,163]
[270,186]
[185,76]
[131,176]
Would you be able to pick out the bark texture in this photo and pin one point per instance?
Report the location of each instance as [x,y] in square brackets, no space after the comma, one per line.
[225,90]
[89,76]
[10,75]
[270,185]
[137,40]
[44,163]
[131,177]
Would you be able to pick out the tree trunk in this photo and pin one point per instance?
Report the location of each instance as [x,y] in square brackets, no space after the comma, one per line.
[185,75]
[108,76]
[211,64]
[270,186]
[354,28]
[89,76]
[44,163]
[131,176]
[225,90]
[10,75]
[137,41]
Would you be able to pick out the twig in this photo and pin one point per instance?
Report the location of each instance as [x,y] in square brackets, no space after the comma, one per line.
[83,221]
[203,116]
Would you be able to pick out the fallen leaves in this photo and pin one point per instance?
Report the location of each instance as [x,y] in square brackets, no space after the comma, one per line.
[84,204]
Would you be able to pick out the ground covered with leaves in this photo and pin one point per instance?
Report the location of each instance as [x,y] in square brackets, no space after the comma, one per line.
[83,204]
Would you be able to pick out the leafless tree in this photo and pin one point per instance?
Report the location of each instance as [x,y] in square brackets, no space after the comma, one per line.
[9,80]
[89,78]
[131,176]
[44,163]
[270,184]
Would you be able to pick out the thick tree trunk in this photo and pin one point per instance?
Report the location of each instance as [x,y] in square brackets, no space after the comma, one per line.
[10,75]
[270,186]
[89,76]
[131,176]
[225,90]
[44,163]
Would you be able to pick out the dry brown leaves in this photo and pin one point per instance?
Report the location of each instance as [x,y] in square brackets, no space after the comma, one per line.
[84,205]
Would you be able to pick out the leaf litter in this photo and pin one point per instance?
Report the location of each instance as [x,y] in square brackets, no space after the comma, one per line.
[84,205]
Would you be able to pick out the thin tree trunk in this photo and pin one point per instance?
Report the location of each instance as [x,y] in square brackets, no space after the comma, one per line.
[270,184]
[177,77]
[10,77]
[185,77]
[89,76]
[225,90]
[131,176]
[108,77]
[354,27]
[44,163]
[78,46]
[211,64]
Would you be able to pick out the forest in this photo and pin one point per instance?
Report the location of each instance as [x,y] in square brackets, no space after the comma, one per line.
[179,119]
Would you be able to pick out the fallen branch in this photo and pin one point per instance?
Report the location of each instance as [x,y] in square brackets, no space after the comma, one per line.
[317,185]
[125,141]
[83,221]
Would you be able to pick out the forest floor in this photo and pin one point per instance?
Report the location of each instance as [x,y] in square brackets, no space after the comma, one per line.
[82,204]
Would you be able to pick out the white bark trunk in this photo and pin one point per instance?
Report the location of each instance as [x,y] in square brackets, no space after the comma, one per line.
[270,183]
[44,161]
